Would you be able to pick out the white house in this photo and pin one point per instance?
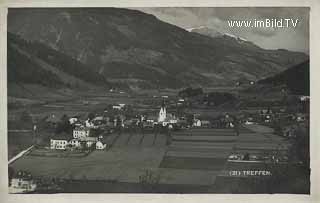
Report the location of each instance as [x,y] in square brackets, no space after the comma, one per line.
[300,117]
[75,143]
[117,107]
[304,98]
[89,124]
[22,183]
[197,123]
[58,143]
[80,132]
[73,120]
[100,145]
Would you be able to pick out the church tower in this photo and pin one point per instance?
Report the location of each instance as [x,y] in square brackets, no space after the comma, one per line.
[162,113]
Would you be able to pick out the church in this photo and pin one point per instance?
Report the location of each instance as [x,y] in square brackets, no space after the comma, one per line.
[165,118]
[162,113]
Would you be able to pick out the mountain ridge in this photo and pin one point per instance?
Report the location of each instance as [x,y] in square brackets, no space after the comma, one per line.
[142,51]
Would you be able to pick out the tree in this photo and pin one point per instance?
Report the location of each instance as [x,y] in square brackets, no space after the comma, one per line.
[189,119]
[91,116]
[64,125]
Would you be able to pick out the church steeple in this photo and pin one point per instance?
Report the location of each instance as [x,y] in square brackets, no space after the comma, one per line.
[163,112]
[163,105]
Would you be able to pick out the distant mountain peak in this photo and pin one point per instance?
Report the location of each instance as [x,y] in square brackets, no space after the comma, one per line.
[235,37]
[205,31]
[195,28]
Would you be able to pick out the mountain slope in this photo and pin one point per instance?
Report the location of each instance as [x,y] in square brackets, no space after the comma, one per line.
[296,79]
[34,63]
[140,50]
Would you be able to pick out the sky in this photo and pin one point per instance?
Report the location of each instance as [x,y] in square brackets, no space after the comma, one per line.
[293,38]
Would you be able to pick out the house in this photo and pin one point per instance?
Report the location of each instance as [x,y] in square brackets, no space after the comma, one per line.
[89,141]
[182,123]
[98,118]
[205,123]
[89,124]
[289,131]
[100,145]
[52,120]
[267,119]
[22,183]
[152,119]
[228,121]
[116,107]
[80,132]
[73,120]
[300,117]
[59,142]
[127,123]
[147,124]
[75,143]
[171,118]
[304,98]
[249,122]
[197,123]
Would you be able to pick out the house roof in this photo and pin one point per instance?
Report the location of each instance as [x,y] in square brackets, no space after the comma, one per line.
[98,118]
[205,122]
[62,136]
[89,139]
[81,128]
[53,119]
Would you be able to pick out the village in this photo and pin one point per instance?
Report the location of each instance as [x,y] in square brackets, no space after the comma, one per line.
[174,130]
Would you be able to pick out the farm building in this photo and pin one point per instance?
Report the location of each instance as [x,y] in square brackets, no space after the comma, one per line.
[59,142]
[80,132]
[89,140]
[23,182]
[75,143]
[100,145]
[197,123]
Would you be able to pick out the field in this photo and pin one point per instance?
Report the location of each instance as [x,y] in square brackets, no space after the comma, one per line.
[193,161]
[18,141]
[57,153]
[124,165]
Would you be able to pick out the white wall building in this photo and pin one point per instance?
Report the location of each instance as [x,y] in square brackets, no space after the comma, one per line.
[100,145]
[58,143]
[89,124]
[22,185]
[75,143]
[80,132]
[197,123]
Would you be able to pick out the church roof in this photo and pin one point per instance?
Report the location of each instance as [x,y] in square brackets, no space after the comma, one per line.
[163,104]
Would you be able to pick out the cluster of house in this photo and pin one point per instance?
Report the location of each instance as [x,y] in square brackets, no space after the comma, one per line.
[171,121]
[246,157]
[290,122]
[80,139]
[268,115]
[22,182]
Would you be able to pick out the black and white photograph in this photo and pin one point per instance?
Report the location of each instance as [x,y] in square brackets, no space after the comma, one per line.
[170,100]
